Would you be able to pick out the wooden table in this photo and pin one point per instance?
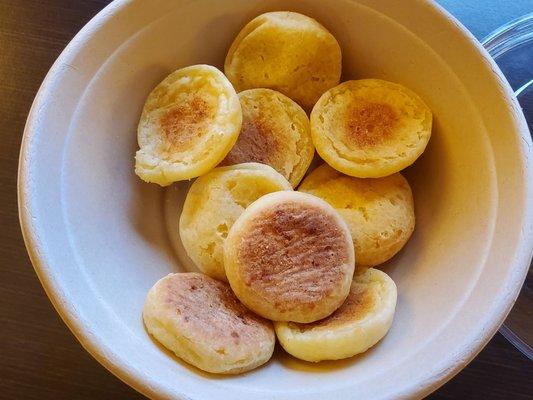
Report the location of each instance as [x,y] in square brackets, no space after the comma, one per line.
[39,357]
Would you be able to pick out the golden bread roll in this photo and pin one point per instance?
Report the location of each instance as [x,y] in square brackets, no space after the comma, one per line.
[202,322]
[288,52]
[275,131]
[370,128]
[188,124]
[379,211]
[213,203]
[290,257]
[362,321]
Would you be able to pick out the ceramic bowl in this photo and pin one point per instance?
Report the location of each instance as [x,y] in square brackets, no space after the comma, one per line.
[97,235]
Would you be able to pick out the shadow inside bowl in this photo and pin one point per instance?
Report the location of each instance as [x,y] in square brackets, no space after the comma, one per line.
[290,362]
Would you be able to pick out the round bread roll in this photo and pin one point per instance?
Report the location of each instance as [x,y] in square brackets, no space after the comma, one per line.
[288,52]
[202,322]
[379,212]
[290,257]
[188,124]
[275,131]
[362,321]
[212,205]
[370,128]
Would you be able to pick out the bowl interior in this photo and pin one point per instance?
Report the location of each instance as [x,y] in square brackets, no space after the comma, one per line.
[103,233]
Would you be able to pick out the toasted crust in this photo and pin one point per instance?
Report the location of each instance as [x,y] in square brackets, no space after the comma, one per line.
[275,131]
[288,52]
[202,322]
[362,321]
[289,257]
[189,123]
[378,211]
[370,128]
[212,205]
[356,306]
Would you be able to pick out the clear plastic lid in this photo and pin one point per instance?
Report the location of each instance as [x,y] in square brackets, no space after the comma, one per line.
[511,46]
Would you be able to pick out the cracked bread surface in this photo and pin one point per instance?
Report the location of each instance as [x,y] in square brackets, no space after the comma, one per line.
[288,52]
[358,324]
[378,211]
[213,203]
[200,320]
[370,128]
[188,124]
[275,131]
[289,257]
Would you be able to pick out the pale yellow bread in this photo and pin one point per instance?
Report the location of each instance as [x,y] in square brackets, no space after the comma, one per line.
[290,257]
[202,322]
[370,128]
[275,131]
[214,202]
[188,124]
[379,211]
[288,52]
[362,321]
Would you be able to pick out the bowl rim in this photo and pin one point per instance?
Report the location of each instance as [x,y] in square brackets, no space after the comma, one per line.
[142,383]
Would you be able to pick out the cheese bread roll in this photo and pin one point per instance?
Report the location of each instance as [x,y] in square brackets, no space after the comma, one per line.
[275,131]
[362,321]
[212,205]
[202,322]
[288,52]
[188,124]
[379,211]
[290,257]
[370,128]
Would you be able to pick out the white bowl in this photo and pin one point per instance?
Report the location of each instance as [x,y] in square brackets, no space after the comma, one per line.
[96,234]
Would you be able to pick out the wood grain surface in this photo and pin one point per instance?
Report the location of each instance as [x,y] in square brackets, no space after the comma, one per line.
[39,357]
